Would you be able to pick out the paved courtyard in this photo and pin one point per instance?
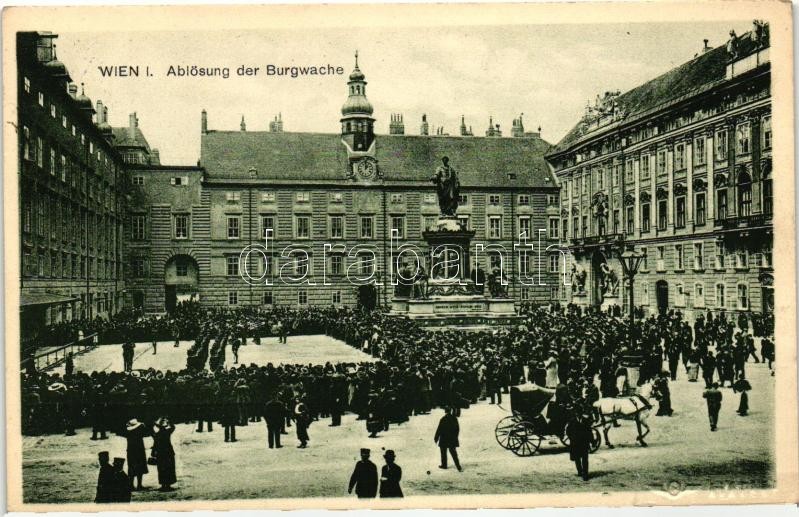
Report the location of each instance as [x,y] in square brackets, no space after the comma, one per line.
[681,448]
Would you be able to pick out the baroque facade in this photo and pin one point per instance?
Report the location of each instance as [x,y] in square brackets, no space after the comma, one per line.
[329,203]
[680,168]
[71,195]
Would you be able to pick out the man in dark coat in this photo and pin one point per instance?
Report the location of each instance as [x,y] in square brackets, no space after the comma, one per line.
[364,477]
[447,439]
[663,394]
[579,433]
[120,486]
[274,414]
[713,397]
[390,476]
[105,479]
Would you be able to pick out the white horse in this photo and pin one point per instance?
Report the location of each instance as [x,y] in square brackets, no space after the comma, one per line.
[635,407]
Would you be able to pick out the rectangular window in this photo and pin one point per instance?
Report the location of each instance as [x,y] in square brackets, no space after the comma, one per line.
[564,226]
[600,179]
[232,298]
[26,143]
[302,225]
[554,263]
[495,227]
[699,295]
[137,267]
[336,298]
[661,165]
[699,151]
[699,257]
[720,255]
[524,199]
[366,264]
[398,226]
[721,204]
[742,138]
[645,167]
[232,265]
[743,297]
[367,227]
[267,197]
[27,84]
[52,162]
[679,208]
[720,296]
[745,200]
[699,208]
[181,268]
[41,99]
[336,226]
[678,257]
[267,299]
[336,197]
[575,227]
[429,198]
[233,227]
[662,214]
[267,223]
[302,297]
[679,157]
[233,197]
[554,227]
[768,197]
[645,217]
[552,200]
[138,227]
[661,259]
[303,197]
[396,198]
[336,265]
[765,132]
[463,199]
[181,224]
[525,294]
[39,152]
[463,220]
[630,219]
[766,256]
[181,181]
[645,260]
[616,221]
[52,110]
[138,180]
[721,145]
[64,122]
[524,227]
[584,231]
[430,222]
[493,199]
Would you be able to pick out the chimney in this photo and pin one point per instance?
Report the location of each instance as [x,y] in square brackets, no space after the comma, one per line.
[397,125]
[105,114]
[100,112]
[203,122]
[243,125]
[424,130]
[155,157]
[706,48]
[132,124]
[518,127]
[72,88]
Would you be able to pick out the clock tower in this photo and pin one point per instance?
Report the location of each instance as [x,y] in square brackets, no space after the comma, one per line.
[357,124]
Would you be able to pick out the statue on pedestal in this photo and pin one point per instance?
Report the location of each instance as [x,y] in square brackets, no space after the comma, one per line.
[448,188]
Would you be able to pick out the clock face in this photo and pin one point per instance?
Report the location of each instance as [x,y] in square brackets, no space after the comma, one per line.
[365,168]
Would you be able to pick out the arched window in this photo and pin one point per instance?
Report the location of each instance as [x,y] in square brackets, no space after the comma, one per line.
[744,194]
[699,295]
[768,193]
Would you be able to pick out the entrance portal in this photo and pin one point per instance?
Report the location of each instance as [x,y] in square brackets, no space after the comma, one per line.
[181,280]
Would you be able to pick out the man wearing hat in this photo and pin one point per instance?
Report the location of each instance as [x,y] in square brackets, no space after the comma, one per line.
[137,456]
[390,477]
[105,480]
[364,477]
[274,414]
[579,433]
[447,438]
[713,397]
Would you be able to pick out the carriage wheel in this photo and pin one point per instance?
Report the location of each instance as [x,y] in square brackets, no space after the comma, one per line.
[503,430]
[564,439]
[528,439]
[596,440]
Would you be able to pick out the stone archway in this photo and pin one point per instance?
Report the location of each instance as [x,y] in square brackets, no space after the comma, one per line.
[181,280]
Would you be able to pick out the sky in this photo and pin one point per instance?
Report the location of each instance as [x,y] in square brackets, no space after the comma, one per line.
[546,72]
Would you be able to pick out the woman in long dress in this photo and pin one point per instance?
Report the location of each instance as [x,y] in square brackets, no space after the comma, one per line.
[552,372]
[164,453]
[137,457]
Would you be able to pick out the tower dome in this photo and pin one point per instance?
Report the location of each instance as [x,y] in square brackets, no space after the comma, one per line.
[55,67]
[82,100]
[357,124]
[357,103]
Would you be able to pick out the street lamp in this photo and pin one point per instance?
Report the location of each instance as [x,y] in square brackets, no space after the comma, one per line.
[630,262]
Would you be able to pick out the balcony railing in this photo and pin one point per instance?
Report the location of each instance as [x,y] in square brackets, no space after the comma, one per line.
[744,221]
[598,240]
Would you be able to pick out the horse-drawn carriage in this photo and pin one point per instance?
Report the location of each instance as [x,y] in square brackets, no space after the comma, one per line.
[536,415]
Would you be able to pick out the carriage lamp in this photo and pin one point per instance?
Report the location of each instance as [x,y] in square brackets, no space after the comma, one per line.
[630,262]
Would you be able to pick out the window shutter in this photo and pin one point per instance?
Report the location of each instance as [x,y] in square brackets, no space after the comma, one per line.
[172,181]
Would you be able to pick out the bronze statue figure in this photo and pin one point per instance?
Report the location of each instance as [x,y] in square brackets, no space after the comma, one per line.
[448,188]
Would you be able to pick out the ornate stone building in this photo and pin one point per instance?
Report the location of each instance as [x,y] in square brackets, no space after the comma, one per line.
[679,167]
[72,188]
[329,202]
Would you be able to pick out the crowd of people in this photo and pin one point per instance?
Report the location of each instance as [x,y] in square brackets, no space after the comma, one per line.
[585,354]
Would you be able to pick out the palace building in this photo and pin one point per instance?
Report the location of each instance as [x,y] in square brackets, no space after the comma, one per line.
[329,202]
[71,195]
[679,167]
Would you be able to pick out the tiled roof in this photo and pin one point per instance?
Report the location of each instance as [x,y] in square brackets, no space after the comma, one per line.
[687,79]
[122,138]
[480,162]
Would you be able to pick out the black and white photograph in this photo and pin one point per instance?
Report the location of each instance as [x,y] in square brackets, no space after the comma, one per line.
[399,258]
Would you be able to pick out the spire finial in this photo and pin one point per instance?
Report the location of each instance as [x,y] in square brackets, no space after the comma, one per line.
[356,59]
[82,89]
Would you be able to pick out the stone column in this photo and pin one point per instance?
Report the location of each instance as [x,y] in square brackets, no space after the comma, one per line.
[689,182]
[670,186]
[710,197]
[636,194]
